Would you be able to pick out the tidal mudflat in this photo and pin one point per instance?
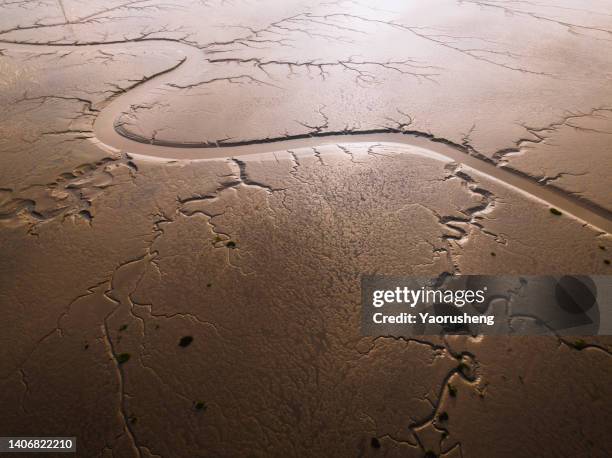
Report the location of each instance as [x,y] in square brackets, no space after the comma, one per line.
[190,192]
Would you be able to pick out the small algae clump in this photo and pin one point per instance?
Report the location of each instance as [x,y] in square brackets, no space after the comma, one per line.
[463,368]
[375,443]
[579,344]
[123,358]
[185,341]
[555,212]
[452,390]
[200,405]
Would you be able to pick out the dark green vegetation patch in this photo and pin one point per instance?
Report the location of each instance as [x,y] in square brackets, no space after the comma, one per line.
[185,341]
[555,212]
[123,358]
[200,405]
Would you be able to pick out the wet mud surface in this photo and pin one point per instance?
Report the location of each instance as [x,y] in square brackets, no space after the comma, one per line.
[190,192]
